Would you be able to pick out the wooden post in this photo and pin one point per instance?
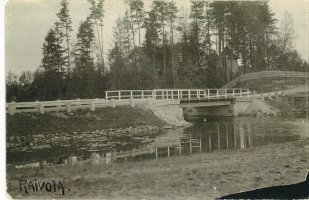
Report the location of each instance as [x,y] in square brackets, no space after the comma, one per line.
[198,94]
[225,93]
[218,130]
[154,94]
[72,160]
[178,93]
[156,150]
[189,94]
[235,141]
[92,105]
[200,144]
[190,146]
[131,94]
[217,94]
[209,141]
[95,158]
[132,103]
[12,108]
[113,105]
[78,104]
[168,151]
[68,107]
[242,137]
[108,158]
[227,136]
[41,108]
[106,95]
[233,93]
[180,148]
[143,94]
[59,101]
[249,134]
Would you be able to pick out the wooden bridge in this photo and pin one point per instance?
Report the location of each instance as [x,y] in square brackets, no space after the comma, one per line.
[181,94]
[128,97]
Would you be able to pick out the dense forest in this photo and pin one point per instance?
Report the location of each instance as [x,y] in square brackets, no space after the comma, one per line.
[162,47]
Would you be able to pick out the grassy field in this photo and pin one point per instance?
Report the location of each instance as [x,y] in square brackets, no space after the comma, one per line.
[199,176]
[120,117]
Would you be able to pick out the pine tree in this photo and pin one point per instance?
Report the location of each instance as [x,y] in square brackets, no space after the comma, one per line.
[65,25]
[137,15]
[53,60]
[84,47]
[97,15]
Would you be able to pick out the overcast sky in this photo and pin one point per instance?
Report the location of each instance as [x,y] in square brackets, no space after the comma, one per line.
[27,22]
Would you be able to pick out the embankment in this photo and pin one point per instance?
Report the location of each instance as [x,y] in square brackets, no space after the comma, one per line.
[171,114]
[279,106]
[32,137]
[81,120]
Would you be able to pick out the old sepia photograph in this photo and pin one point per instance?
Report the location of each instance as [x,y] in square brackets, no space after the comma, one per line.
[156,99]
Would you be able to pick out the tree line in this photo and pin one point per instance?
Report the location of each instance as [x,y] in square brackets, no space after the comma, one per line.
[163,47]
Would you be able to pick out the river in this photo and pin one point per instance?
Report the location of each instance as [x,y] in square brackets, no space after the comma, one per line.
[205,136]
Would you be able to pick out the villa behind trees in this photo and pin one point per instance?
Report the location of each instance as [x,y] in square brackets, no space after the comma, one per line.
[162,47]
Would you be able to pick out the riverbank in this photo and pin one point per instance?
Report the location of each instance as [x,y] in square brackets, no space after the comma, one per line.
[34,137]
[23,124]
[199,176]
[278,106]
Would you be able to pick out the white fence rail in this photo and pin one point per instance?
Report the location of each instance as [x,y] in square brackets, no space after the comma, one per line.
[59,105]
[124,97]
[176,94]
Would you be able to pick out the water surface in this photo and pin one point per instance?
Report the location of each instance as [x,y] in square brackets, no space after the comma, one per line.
[205,136]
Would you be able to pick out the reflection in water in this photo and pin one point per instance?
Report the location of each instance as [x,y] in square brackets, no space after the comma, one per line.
[213,135]
[203,137]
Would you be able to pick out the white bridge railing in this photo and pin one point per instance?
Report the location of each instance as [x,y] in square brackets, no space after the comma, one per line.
[123,97]
[177,94]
